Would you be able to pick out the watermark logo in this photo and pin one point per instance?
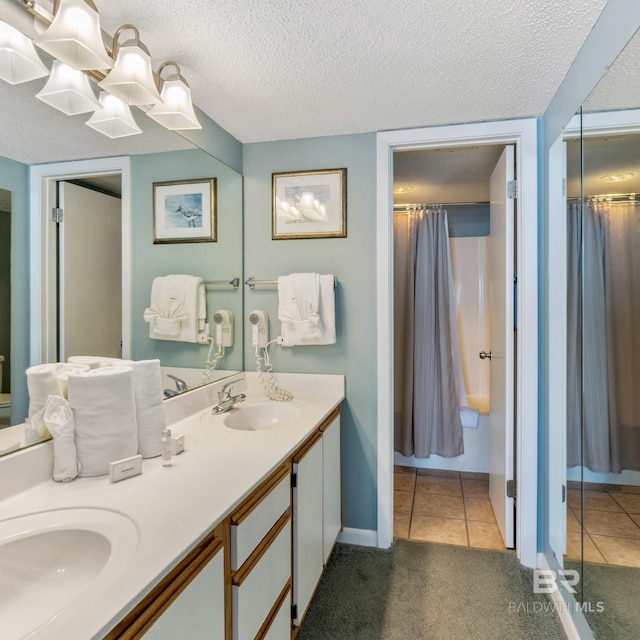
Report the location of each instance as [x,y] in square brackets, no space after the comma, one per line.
[547,580]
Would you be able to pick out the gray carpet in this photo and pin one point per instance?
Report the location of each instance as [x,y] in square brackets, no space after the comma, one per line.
[421,591]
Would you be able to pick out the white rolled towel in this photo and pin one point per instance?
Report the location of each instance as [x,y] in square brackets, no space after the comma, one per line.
[93,362]
[104,407]
[58,418]
[44,380]
[147,386]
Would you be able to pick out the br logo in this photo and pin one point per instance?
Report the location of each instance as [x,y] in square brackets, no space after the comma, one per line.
[547,580]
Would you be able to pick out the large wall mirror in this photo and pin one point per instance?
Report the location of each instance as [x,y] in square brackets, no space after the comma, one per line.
[603,350]
[60,149]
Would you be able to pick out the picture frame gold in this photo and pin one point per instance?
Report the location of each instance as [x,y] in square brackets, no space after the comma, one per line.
[309,204]
[185,211]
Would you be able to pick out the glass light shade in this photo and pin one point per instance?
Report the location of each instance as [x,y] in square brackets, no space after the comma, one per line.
[175,112]
[114,120]
[74,37]
[68,90]
[131,78]
[19,61]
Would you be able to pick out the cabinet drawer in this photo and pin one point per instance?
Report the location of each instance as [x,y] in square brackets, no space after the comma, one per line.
[255,596]
[254,526]
[280,628]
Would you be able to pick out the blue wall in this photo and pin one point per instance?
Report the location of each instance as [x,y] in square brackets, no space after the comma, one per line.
[353,261]
[14,177]
[219,260]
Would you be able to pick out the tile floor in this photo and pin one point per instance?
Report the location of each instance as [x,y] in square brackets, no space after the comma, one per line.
[449,507]
[611,523]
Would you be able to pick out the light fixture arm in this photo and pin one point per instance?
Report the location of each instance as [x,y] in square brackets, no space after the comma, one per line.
[116,36]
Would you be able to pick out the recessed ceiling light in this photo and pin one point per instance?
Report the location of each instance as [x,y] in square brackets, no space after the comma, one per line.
[402,189]
[617,177]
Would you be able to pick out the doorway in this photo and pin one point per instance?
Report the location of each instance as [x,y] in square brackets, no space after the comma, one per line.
[522,135]
[52,297]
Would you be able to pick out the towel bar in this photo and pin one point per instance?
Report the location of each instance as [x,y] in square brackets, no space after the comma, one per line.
[233,282]
[252,282]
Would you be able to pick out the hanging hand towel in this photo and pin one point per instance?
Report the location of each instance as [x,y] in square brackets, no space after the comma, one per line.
[104,407]
[306,309]
[178,308]
[149,410]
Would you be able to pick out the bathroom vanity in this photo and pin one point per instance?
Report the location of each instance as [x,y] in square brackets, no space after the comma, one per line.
[228,542]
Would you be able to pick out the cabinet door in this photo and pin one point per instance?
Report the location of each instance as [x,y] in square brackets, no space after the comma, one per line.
[307,527]
[198,612]
[331,496]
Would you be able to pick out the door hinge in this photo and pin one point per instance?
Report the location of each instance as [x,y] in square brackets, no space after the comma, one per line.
[294,612]
[294,480]
[512,187]
[511,489]
[564,493]
[57,214]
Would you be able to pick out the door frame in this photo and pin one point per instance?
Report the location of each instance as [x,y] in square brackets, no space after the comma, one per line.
[42,234]
[524,135]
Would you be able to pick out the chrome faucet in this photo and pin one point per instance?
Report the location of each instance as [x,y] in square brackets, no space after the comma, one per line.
[225,400]
[181,386]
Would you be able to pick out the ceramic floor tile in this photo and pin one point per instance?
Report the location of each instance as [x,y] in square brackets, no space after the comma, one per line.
[630,502]
[479,509]
[635,517]
[440,485]
[445,530]
[621,488]
[574,484]
[600,501]
[473,475]
[485,535]
[605,523]
[573,498]
[402,501]
[400,469]
[433,504]
[574,548]
[573,524]
[475,488]
[621,551]
[442,473]
[401,523]
[593,486]
[404,481]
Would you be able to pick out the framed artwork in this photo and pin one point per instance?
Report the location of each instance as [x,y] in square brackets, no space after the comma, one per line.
[309,204]
[184,211]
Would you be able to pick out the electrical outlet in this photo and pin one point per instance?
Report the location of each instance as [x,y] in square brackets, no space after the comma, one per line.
[203,338]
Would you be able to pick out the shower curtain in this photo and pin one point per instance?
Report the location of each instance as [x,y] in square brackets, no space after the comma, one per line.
[426,353]
[603,363]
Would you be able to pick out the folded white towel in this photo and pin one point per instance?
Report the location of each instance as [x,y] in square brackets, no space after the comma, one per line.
[104,407]
[306,309]
[58,417]
[469,417]
[44,380]
[150,418]
[93,362]
[178,308]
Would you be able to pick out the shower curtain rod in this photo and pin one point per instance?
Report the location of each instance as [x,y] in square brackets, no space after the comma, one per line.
[615,197]
[414,205]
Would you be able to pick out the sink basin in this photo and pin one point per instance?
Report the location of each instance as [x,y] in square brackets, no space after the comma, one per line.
[52,558]
[262,415]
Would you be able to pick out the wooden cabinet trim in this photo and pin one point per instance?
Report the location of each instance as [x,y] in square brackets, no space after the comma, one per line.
[268,621]
[308,444]
[255,498]
[329,419]
[239,576]
[137,622]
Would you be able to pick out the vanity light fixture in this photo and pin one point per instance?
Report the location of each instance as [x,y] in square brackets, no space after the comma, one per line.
[114,119]
[175,112]
[131,78]
[68,90]
[19,61]
[405,189]
[74,36]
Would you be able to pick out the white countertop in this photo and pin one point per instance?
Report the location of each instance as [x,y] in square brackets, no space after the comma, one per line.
[174,507]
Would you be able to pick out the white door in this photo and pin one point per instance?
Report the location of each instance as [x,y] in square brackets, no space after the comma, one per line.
[502,332]
[90,268]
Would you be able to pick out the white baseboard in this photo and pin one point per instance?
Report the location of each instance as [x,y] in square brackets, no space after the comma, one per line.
[573,621]
[362,537]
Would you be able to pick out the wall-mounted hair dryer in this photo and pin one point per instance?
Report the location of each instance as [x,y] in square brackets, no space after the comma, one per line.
[223,320]
[259,321]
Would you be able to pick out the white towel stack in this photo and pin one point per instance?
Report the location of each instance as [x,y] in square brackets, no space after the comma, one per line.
[104,407]
[93,362]
[178,308]
[306,309]
[44,380]
[59,420]
[150,418]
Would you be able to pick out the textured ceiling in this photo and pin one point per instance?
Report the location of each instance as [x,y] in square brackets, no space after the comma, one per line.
[278,69]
